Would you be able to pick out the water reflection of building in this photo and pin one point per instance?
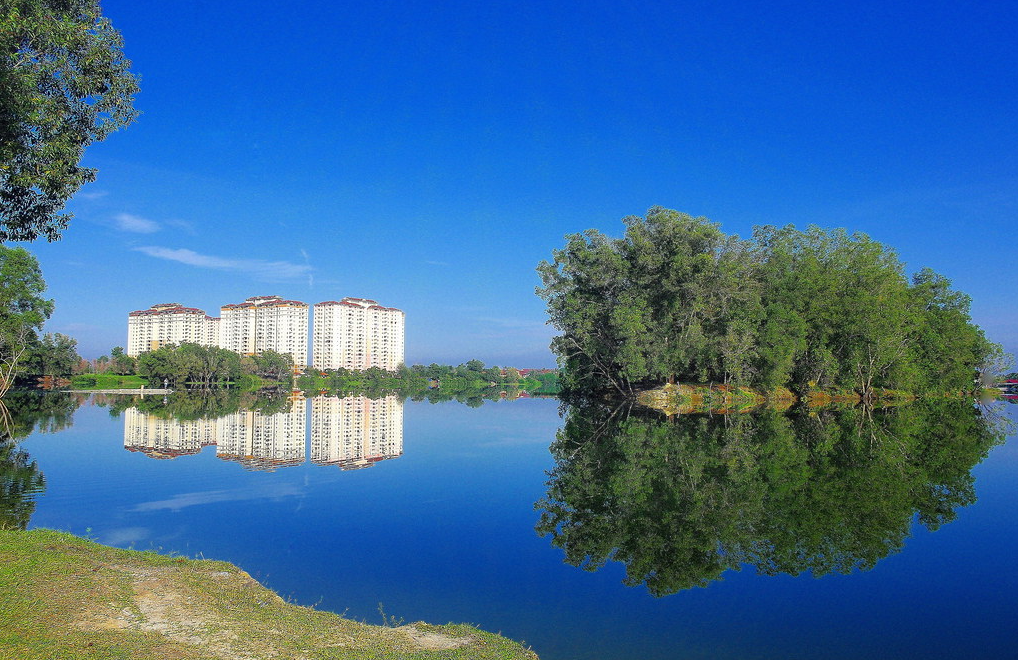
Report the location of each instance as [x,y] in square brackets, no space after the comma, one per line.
[355,432]
[159,437]
[255,440]
[264,442]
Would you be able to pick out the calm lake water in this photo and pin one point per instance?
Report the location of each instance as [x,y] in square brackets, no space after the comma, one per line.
[432,509]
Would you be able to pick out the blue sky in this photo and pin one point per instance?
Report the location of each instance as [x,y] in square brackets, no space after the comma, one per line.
[429,155]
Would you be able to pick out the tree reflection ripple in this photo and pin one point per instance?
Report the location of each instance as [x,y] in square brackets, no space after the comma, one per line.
[21,481]
[682,500]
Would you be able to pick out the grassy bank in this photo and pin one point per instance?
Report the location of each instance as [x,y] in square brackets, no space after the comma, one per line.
[65,597]
[108,382]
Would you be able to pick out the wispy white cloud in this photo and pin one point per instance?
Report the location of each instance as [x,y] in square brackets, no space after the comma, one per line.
[135,223]
[271,271]
[182,225]
[93,194]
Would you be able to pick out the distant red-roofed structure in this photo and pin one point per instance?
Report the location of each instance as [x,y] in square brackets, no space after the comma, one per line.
[169,323]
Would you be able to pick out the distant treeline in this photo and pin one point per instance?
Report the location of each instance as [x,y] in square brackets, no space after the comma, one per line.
[197,366]
[469,380]
[208,367]
[677,299]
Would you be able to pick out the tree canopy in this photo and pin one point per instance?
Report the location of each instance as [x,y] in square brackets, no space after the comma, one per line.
[677,298]
[64,84]
[23,310]
[195,364]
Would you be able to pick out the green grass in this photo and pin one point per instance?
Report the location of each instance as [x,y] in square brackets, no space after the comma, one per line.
[107,382]
[64,597]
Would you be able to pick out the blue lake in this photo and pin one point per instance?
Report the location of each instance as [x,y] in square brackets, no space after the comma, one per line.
[435,520]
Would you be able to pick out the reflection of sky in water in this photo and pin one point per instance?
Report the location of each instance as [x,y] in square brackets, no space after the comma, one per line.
[446,533]
[184,500]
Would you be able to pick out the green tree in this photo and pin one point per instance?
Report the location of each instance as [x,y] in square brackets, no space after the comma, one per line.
[190,364]
[23,310]
[272,365]
[64,84]
[121,363]
[55,354]
[949,349]
[672,299]
[676,298]
[993,363]
[161,364]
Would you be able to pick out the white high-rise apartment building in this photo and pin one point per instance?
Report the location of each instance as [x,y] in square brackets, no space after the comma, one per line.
[169,323]
[355,333]
[266,323]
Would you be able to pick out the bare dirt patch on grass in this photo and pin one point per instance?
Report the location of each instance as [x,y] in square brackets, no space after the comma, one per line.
[435,641]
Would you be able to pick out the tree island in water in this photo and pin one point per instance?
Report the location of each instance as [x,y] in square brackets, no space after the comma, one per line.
[676,299]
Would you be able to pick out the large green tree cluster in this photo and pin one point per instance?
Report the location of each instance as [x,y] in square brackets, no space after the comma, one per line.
[194,365]
[54,354]
[681,501]
[204,366]
[677,298]
[64,83]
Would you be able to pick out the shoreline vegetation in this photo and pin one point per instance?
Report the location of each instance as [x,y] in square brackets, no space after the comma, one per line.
[68,597]
[673,399]
[194,368]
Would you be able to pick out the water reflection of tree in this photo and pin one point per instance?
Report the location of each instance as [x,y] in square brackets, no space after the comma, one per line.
[211,404]
[20,481]
[472,398]
[682,500]
[25,411]
[21,413]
